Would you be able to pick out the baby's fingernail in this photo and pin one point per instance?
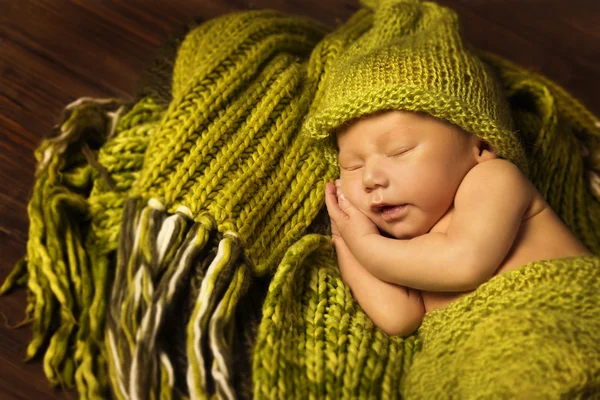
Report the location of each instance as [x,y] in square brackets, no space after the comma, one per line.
[342,196]
[338,182]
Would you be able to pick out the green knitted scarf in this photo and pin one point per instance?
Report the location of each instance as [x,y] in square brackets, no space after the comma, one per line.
[179,248]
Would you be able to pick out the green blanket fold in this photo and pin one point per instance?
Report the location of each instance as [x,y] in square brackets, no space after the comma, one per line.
[179,246]
[314,341]
[531,333]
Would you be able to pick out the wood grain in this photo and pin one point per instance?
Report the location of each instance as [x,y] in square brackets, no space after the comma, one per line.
[53,52]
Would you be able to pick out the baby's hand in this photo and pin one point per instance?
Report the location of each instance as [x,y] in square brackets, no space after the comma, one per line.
[346,220]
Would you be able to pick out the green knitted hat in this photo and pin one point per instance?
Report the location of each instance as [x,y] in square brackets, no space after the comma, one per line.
[157,225]
[413,58]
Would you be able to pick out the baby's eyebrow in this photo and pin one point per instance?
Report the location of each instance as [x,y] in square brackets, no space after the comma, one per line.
[345,153]
[348,155]
[386,135]
[405,131]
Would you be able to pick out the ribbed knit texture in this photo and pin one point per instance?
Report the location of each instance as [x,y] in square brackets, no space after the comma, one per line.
[530,334]
[157,226]
[413,58]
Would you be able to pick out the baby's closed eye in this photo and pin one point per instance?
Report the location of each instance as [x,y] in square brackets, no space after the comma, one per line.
[351,167]
[400,151]
[349,162]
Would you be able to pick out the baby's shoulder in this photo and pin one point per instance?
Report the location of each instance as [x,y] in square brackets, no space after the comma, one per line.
[497,167]
[495,172]
[498,178]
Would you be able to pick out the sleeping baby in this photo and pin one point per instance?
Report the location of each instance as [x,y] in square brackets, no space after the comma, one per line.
[424,212]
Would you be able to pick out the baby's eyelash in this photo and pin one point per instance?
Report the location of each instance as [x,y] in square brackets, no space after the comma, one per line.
[400,152]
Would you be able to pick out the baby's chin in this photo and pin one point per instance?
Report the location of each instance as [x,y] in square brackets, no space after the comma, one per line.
[401,231]
[395,235]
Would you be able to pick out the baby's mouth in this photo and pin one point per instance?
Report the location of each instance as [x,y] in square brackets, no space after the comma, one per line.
[389,212]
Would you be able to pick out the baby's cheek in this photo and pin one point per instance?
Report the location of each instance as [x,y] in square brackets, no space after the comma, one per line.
[354,194]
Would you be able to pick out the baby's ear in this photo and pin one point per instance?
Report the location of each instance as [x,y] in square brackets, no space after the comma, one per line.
[483,151]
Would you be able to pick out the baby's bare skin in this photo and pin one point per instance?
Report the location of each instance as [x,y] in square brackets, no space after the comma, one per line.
[541,236]
[468,216]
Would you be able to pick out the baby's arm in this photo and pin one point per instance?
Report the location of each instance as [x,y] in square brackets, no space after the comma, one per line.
[396,310]
[489,207]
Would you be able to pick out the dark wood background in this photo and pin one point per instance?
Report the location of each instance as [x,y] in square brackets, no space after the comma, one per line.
[53,52]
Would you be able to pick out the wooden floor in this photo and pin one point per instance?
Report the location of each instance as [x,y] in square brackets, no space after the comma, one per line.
[53,52]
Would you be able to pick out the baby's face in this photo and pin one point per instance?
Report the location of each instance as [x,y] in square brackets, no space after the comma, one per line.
[405,159]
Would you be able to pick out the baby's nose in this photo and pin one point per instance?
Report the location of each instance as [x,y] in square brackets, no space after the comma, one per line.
[374,175]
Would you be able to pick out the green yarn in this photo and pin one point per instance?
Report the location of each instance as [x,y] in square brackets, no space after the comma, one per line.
[220,158]
[178,246]
[532,333]
[413,58]
[315,341]
[561,141]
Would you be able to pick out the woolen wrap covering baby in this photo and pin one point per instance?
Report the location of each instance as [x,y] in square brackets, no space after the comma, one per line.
[156,227]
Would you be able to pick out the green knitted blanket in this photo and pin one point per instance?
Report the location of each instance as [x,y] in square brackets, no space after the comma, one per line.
[179,246]
[531,334]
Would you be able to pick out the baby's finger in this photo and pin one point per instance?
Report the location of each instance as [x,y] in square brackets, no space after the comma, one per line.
[346,208]
[335,231]
[331,201]
[338,190]
[330,188]
[330,196]
[343,203]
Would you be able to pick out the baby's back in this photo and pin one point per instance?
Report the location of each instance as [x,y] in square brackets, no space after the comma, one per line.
[541,236]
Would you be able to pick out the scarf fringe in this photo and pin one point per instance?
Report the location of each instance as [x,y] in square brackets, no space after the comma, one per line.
[16,278]
[101,324]
[157,256]
[56,269]
[66,269]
